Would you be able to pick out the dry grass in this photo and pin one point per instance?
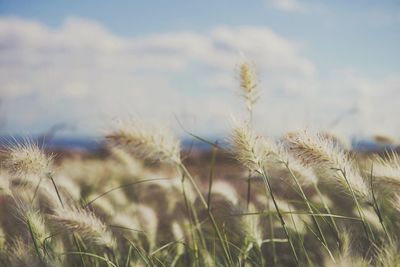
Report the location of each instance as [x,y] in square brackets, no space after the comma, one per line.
[307,200]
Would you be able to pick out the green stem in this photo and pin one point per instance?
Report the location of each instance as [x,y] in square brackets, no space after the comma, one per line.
[211,175]
[55,187]
[269,189]
[303,195]
[328,210]
[204,202]
[272,233]
[376,207]
[248,190]
[360,213]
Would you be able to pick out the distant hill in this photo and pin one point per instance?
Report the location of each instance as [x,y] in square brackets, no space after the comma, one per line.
[93,145]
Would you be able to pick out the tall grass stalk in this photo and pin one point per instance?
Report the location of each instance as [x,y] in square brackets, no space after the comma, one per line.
[186,172]
[282,221]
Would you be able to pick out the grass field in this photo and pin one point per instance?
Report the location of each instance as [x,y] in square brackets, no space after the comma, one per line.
[304,200]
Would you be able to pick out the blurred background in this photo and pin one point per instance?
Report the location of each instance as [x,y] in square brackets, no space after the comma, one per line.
[72,68]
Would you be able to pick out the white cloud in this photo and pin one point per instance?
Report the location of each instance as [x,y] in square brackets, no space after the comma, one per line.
[289,5]
[82,74]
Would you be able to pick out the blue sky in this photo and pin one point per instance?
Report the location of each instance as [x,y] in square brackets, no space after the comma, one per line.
[360,33]
[341,54]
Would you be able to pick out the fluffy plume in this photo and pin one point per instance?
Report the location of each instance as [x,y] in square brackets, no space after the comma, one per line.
[83,222]
[226,190]
[34,222]
[346,257]
[389,255]
[328,160]
[292,166]
[27,158]
[133,165]
[148,219]
[253,226]
[146,142]
[248,85]
[20,254]
[4,184]
[255,151]
[249,149]
[386,171]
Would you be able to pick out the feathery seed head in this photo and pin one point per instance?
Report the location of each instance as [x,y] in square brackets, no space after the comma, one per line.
[250,149]
[389,255]
[177,231]
[248,85]
[27,158]
[37,224]
[395,202]
[179,236]
[148,219]
[386,171]
[328,160]
[385,139]
[83,222]
[226,190]
[32,218]
[2,239]
[4,184]
[253,226]
[293,166]
[132,165]
[149,143]
[20,254]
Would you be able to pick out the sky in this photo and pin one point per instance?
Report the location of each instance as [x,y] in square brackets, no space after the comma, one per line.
[328,65]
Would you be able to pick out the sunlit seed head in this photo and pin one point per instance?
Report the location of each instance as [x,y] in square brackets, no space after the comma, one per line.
[385,172]
[328,160]
[250,149]
[293,167]
[146,142]
[148,220]
[84,223]
[253,225]
[4,184]
[248,85]
[33,220]
[27,158]
[226,190]
[132,165]
[388,254]
[20,254]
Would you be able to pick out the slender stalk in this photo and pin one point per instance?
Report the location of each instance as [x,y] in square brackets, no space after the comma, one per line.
[55,188]
[269,190]
[360,213]
[62,204]
[128,258]
[191,220]
[303,195]
[91,255]
[204,202]
[272,233]
[211,175]
[376,206]
[248,189]
[328,210]
[36,190]
[79,249]
[300,238]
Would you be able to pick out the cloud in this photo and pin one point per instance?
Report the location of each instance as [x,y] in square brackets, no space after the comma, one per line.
[289,5]
[82,74]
